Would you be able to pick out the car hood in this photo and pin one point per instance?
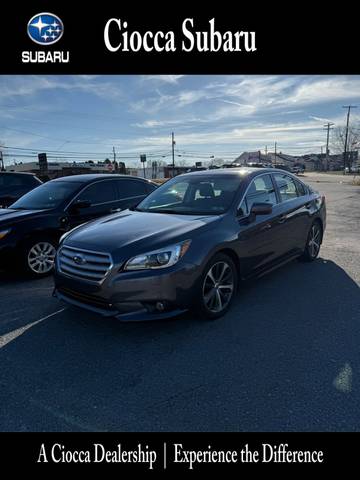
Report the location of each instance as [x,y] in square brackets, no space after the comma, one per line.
[10,215]
[133,231]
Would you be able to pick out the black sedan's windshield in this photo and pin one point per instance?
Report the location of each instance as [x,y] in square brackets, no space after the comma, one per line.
[198,195]
[47,196]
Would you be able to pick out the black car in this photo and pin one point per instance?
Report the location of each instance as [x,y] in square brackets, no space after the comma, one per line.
[282,166]
[15,185]
[31,228]
[187,245]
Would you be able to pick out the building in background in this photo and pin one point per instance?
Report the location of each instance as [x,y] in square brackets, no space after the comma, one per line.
[62,169]
[311,162]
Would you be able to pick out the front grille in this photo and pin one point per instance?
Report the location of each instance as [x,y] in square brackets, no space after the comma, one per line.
[84,264]
[85,298]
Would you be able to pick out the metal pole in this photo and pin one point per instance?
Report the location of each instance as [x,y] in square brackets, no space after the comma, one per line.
[275,153]
[114,154]
[328,125]
[173,153]
[349,107]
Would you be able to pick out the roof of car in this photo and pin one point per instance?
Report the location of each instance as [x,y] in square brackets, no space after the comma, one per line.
[240,171]
[89,177]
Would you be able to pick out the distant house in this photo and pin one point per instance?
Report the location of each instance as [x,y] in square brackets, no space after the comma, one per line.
[258,157]
[251,157]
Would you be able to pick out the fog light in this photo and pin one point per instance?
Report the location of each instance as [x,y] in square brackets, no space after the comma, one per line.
[160,306]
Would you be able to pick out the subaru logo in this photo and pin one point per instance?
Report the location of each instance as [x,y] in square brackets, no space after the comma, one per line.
[45,28]
[79,259]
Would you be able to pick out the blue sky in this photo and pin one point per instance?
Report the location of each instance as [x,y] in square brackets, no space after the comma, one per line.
[210,115]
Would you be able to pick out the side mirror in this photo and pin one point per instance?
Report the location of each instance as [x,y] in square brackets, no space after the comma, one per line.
[260,209]
[80,204]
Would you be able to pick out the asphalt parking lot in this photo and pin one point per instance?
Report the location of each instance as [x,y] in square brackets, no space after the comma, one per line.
[285,358]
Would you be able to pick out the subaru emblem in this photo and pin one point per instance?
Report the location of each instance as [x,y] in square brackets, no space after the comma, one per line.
[79,259]
[45,28]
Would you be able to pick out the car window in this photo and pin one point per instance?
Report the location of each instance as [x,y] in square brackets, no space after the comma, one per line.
[150,187]
[46,196]
[300,188]
[286,186]
[131,188]
[193,195]
[261,190]
[99,192]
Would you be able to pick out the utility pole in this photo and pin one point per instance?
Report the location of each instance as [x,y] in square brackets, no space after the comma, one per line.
[275,152]
[266,151]
[2,169]
[173,153]
[328,128]
[114,162]
[349,107]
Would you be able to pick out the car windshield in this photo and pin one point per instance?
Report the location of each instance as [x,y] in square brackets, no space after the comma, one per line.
[193,195]
[47,196]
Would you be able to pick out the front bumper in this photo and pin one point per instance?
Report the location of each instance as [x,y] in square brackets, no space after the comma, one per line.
[7,252]
[133,296]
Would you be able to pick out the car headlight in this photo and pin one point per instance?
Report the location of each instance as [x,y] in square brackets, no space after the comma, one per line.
[164,257]
[3,233]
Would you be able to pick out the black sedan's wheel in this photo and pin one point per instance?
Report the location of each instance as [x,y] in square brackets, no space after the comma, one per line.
[313,243]
[39,256]
[218,287]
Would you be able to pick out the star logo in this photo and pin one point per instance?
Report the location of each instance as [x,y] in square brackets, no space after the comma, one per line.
[45,28]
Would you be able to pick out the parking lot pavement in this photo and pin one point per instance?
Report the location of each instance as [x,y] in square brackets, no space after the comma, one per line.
[285,358]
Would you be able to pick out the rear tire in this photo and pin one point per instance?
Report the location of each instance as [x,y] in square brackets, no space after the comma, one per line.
[217,287]
[313,243]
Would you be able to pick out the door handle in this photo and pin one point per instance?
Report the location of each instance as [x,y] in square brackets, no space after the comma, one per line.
[115,210]
[281,218]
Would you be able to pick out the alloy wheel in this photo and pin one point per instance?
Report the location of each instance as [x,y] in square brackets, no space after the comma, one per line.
[218,287]
[314,240]
[41,257]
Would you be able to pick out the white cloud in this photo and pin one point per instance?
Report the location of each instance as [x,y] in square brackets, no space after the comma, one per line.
[16,86]
[173,79]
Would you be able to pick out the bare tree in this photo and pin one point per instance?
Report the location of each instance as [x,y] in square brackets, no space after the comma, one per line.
[218,162]
[181,163]
[339,135]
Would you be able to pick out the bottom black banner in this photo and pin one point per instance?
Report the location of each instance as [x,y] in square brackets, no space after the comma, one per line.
[183,452]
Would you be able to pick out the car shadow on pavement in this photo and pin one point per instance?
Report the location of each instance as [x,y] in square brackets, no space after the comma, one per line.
[284,358]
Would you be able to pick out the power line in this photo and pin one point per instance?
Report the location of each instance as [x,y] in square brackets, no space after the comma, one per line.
[60,152]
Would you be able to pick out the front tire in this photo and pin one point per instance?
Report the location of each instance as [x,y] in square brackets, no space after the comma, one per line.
[313,243]
[218,286]
[38,257]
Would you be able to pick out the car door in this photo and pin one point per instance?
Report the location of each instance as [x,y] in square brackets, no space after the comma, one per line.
[103,200]
[258,237]
[294,212]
